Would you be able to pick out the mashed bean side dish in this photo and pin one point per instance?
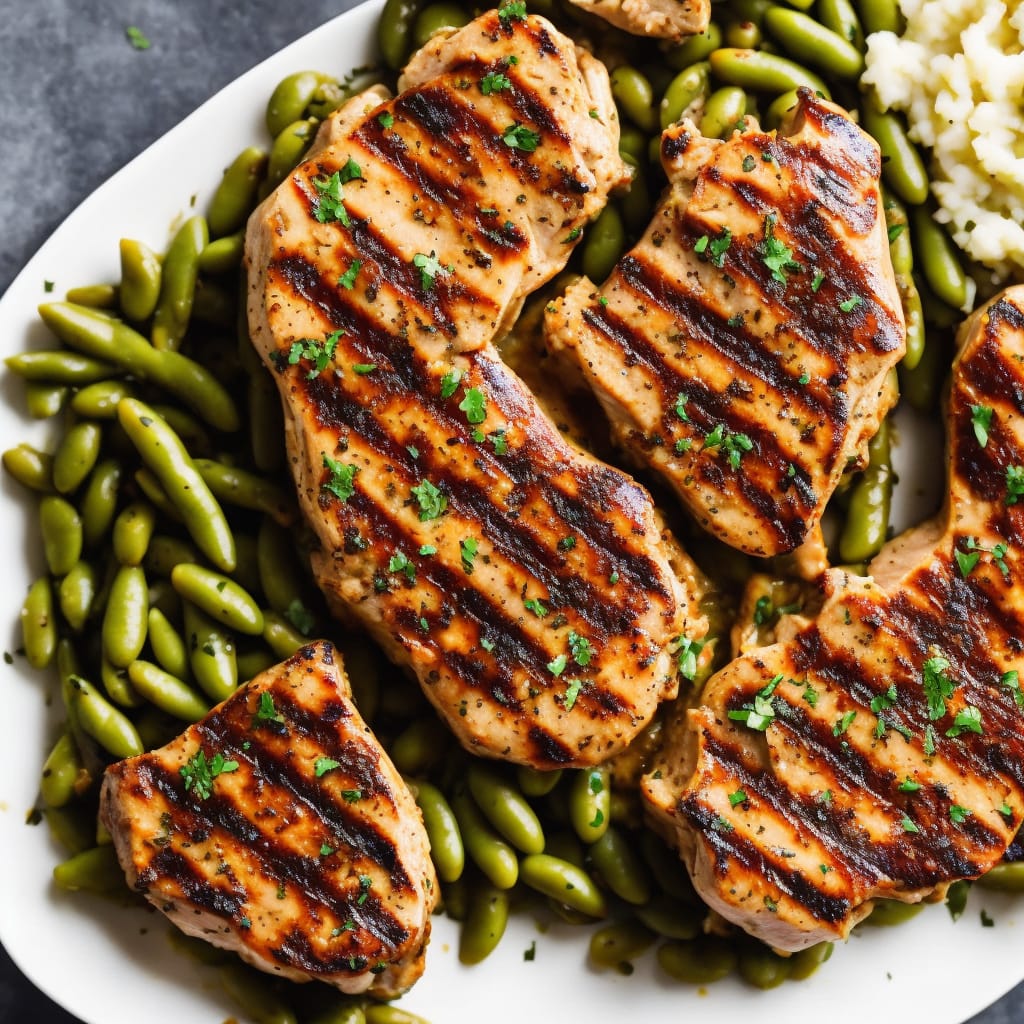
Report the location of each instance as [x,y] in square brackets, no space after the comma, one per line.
[958,72]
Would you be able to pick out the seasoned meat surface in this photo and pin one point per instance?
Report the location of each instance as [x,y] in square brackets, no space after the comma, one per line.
[742,348]
[664,19]
[878,752]
[278,828]
[526,584]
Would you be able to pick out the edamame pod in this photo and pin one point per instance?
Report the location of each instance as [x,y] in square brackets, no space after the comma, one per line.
[590,802]
[62,771]
[222,255]
[812,42]
[235,196]
[880,16]
[419,746]
[383,1013]
[617,944]
[939,261]
[97,296]
[672,918]
[58,366]
[290,145]
[695,48]
[99,503]
[44,400]
[167,644]
[126,616]
[687,86]
[446,847]
[867,519]
[491,854]
[564,883]
[133,529]
[254,661]
[164,454]
[620,868]
[604,243]
[219,597]
[762,72]
[247,490]
[807,961]
[117,685]
[534,782]
[485,924]
[211,654]
[760,967]
[61,529]
[256,996]
[635,97]
[266,423]
[887,913]
[167,692]
[95,870]
[76,594]
[701,962]
[442,16]
[99,401]
[1004,877]
[276,558]
[841,17]
[902,167]
[394,31]
[290,98]
[280,636]
[724,112]
[505,808]
[31,467]
[141,274]
[90,332]
[110,728]
[178,284]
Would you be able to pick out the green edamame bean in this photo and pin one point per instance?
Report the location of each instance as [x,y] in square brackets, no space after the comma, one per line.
[419,746]
[636,203]
[702,962]
[212,304]
[892,912]
[484,925]
[117,685]
[247,490]
[938,258]
[141,273]
[165,455]
[58,366]
[44,400]
[76,455]
[363,670]
[62,772]
[590,802]
[288,149]
[266,423]
[867,519]
[99,503]
[125,619]
[751,10]
[1004,877]
[902,167]
[178,284]
[635,97]
[223,255]
[762,72]
[394,31]
[151,488]
[163,596]
[290,98]
[167,692]
[505,808]
[219,597]
[90,332]
[491,854]
[98,296]
[687,86]
[280,636]
[108,726]
[133,529]
[841,17]
[95,870]
[61,528]
[255,996]
[620,868]
[235,195]
[99,401]
[534,782]
[617,944]
[724,112]
[803,964]
[742,34]
[564,883]
[604,243]
[383,1013]
[880,16]
[446,847]
[350,1013]
[633,144]
[277,561]
[760,967]
[31,467]
[780,108]
[437,17]
[211,654]
[812,42]
[254,661]
[695,48]
[76,594]
[566,845]
[672,918]
[191,432]
[246,573]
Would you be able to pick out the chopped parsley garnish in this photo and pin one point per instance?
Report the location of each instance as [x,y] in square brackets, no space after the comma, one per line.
[300,617]
[450,383]
[535,606]
[804,379]
[572,692]
[736,798]
[348,279]
[137,37]
[518,136]
[386,120]
[352,795]
[429,268]
[413,451]
[318,353]
[474,405]
[363,368]
[499,441]
[908,825]
[883,701]
[844,723]
[1011,680]
[894,232]
[567,544]
[1014,484]
[428,549]
[850,304]
[572,236]
[487,645]
[557,665]
[967,720]
[681,412]
[959,814]
[817,281]
[326,850]
[967,560]
[761,713]
[734,445]
[514,10]
[341,482]
[431,501]
[330,202]
[400,563]
[981,420]
[686,657]
[494,81]
[265,710]
[930,740]
[198,773]
[716,248]
[810,695]
[581,649]
[325,764]
[938,687]
[908,785]
[778,258]
[749,163]
[468,549]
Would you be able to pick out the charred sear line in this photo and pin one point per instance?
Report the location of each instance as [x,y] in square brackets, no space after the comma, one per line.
[549,749]
[195,887]
[351,957]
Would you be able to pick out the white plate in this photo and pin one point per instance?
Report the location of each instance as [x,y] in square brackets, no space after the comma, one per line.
[113,966]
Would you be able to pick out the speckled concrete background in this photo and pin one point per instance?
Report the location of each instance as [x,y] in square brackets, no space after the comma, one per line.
[77,103]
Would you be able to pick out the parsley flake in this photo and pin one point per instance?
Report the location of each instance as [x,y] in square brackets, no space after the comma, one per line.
[265,710]
[341,481]
[518,136]
[908,825]
[137,37]
[514,10]
[572,692]
[330,202]
[1011,680]
[844,723]
[938,687]
[581,649]
[494,81]
[908,785]
[318,353]
[198,773]
[761,713]
[1014,484]
[981,420]
[778,258]
[430,268]
[348,279]
[468,549]
[431,501]
[474,405]
[958,814]
[967,720]
[736,798]
[686,657]
[850,304]
[386,120]
[734,445]
[681,412]
[323,765]
[535,606]
[400,563]
[557,665]
[817,281]
[450,383]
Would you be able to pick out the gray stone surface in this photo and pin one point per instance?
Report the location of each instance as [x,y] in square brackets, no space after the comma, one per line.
[78,103]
